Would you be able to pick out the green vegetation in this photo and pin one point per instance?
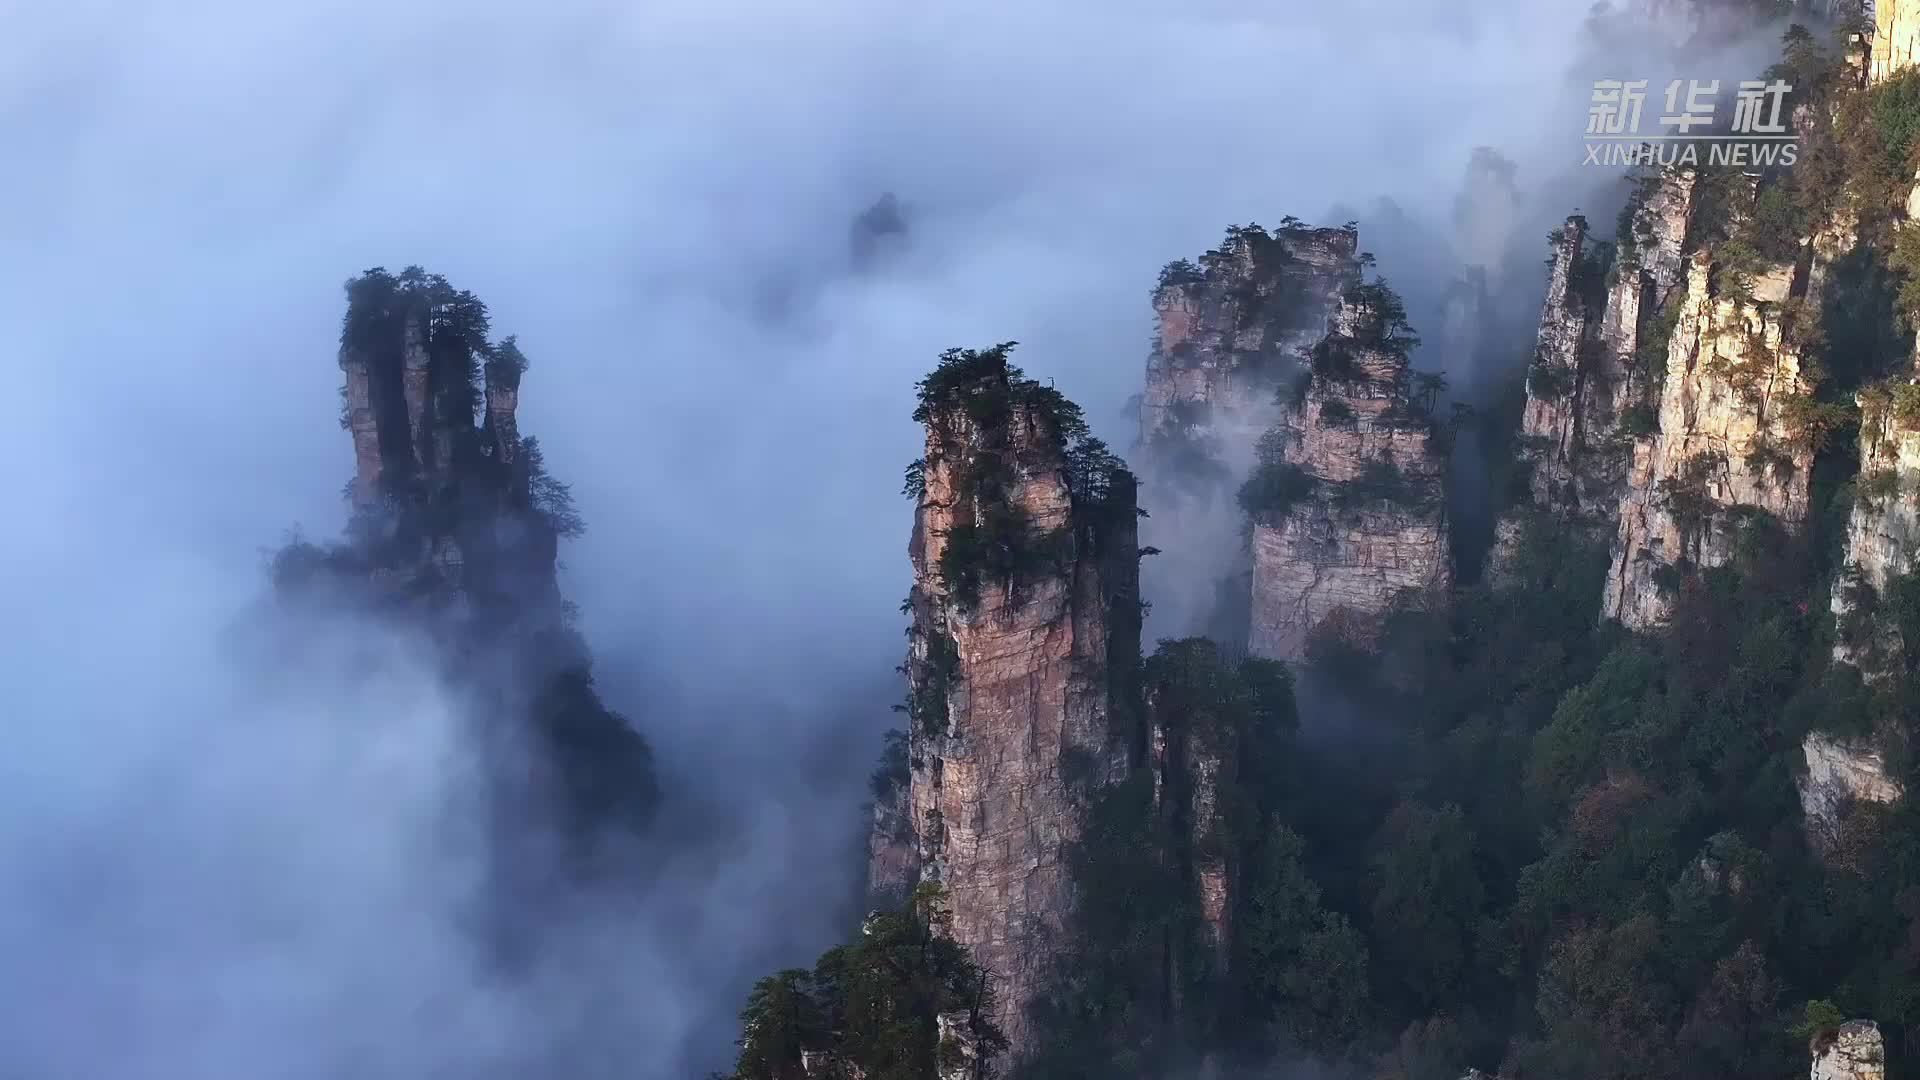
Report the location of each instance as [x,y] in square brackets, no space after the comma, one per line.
[985,414]
[1379,480]
[872,1006]
[1275,484]
[1181,272]
[932,679]
[1520,837]
[1548,379]
[461,542]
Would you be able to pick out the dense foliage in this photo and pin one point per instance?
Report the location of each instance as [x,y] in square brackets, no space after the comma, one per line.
[1516,836]
[987,422]
[873,1009]
[461,540]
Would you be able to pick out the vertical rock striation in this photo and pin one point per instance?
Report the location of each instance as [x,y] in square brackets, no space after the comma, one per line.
[1025,608]
[1231,330]
[1727,442]
[1896,37]
[1593,376]
[1191,760]
[1883,527]
[456,530]
[1349,511]
[1564,383]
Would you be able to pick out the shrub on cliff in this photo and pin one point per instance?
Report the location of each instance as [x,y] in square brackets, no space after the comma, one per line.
[1272,488]
[992,540]
[872,1007]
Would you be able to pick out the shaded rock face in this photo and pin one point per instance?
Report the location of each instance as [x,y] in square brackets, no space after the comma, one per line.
[1853,1052]
[1366,521]
[1883,535]
[1189,768]
[1566,391]
[1896,37]
[1013,698]
[1229,329]
[455,531]
[1841,773]
[443,488]
[893,854]
[1230,333]
[1724,447]
[1590,381]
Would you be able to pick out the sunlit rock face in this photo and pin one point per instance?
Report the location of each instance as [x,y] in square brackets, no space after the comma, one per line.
[1896,37]
[1841,773]
[1368,527]
[1855,1051]
[1013,689]
[1883,536]
[1230,333]
[1725,445]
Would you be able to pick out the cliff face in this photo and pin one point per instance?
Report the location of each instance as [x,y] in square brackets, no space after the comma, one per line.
[1025,610]
[1896,37]
[1855,1051]
[1568,396]
[1841,773]
[1727,442]
[1349,511]
[1883,528]
[1231,331]
[1590,378]
[1190,762]
[1228,330]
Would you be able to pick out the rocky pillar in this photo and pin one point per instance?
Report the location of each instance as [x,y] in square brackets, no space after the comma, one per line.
[1549,425]
[416,382]
[1012,709]
[1365,521]
[1853,1052]
[363,423]
[503,402]
[1723,443]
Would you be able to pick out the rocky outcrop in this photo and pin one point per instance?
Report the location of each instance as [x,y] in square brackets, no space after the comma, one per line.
[1587,373]
[455,530]
[1230,330]
[1853,1051]
[362,421]
[1592,381]
[1230,333]
[1189,765]
[1841,773]
[1883,528]
[1896,37]
[1025,608]
[503,370]
[1564,382]
[1728,441]
[1349,511]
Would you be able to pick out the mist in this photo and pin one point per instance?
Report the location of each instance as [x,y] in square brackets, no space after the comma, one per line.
[214,863]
